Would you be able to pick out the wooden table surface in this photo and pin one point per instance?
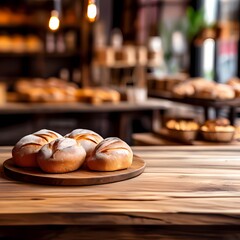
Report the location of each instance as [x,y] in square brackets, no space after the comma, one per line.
[185,192]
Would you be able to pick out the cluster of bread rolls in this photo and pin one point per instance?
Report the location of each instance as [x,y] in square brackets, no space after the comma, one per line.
[57,90]
[214,130]
[202,88]
[182,124]
[55,153]
[46,90]
[217,125]
[97,95]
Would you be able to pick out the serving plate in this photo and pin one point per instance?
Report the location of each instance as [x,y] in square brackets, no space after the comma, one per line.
[79,177]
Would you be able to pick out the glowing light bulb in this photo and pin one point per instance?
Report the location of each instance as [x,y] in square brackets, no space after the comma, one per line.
[91,11]
[54,21]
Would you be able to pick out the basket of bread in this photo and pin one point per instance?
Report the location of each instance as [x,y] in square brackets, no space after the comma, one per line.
[218,130]
[188,130]
[182,129]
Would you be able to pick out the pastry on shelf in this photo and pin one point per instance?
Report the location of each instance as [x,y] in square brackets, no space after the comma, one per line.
[224,91]
[98,95]
[195,87]
[234,82]
[33,44]
[46,90]
[5,43]
[183,90]
[18,44]
[204,89]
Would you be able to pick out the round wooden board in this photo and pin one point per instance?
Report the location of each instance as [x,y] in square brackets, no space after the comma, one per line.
[79,177]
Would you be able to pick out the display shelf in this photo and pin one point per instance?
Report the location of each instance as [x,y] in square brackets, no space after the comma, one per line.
[30,47]
[216,104]
[40,54]
[37,26]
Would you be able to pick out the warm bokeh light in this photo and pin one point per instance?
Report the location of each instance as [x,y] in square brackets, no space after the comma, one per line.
[54,21]
[92,12]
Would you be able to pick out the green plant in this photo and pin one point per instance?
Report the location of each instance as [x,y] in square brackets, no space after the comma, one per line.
[195,22]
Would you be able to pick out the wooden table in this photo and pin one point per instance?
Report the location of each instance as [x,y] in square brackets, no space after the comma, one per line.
[186,192]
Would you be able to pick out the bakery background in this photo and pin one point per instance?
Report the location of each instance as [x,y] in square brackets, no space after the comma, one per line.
[68,64]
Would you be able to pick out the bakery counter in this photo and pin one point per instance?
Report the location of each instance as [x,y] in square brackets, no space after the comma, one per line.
[13,108]
[108,119]
[185,192]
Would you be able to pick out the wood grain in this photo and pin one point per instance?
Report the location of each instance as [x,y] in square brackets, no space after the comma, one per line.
[77,178]
[186,189]
[117,232]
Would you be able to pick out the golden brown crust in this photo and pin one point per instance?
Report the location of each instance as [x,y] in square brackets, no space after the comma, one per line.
[182,124]
[110,155]
[61,156]
[87,138]
[25,150]
[217,125]
[224,91]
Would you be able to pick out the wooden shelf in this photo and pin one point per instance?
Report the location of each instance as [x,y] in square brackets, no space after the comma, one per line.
[231,104]
[37,26]
[218,103]
[39,54]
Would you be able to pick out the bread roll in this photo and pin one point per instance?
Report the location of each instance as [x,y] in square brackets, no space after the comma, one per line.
[110,155]
[224,91]
[61,156]
[25,150]
[87,138]
[183,90]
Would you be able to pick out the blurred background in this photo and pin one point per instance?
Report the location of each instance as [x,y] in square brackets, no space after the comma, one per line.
[97,51]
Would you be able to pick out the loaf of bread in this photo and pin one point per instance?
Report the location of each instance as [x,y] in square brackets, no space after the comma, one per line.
[61,156]
[87,138]
[25,151]
[111,154]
